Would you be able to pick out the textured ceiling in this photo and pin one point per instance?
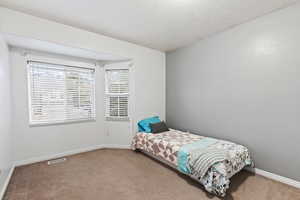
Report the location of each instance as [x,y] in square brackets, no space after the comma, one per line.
[159,24]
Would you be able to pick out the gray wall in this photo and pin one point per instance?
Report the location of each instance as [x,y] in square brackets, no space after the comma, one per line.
[5,115]
[243,85]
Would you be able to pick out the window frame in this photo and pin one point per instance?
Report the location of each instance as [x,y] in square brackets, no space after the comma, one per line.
[119,66]
[64,63]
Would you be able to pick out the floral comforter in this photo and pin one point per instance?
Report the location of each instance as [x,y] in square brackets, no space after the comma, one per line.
[166,145]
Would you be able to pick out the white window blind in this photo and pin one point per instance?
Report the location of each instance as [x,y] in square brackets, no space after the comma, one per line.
[59,93]
[117,94]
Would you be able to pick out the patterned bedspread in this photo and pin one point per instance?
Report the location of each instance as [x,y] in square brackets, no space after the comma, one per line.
[166,145]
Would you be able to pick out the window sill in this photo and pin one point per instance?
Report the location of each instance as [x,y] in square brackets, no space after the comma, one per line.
[61,122]
[118,119]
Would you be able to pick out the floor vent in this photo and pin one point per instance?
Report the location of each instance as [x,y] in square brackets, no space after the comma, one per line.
[56,161]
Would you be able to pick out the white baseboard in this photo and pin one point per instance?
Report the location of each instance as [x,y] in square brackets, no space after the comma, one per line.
[6,182]
[275,177]
[59,155]
[116,146]
[69,153]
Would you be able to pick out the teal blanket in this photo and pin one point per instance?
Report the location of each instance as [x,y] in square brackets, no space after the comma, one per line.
[184,151]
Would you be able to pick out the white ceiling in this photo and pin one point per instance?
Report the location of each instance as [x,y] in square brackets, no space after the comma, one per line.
[159,24]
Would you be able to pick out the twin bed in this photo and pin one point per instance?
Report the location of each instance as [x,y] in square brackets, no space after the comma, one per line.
[209,161]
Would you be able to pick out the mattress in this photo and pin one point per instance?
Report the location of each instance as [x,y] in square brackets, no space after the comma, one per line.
[167,145]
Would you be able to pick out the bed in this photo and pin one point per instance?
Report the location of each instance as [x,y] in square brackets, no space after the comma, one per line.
[209,161]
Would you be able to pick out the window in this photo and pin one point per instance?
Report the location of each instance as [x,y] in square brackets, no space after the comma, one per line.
[59,93]
[117,94]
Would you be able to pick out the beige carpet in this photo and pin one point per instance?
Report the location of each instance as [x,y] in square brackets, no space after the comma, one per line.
[126,175]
